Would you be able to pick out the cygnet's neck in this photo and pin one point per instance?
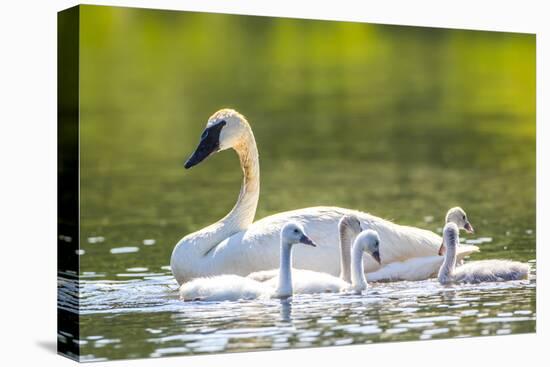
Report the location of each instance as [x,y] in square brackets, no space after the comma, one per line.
[447,270]
[358,280]
[285,271]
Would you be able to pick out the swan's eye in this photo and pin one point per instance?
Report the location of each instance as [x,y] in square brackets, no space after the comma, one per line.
[296,231]
[463,217]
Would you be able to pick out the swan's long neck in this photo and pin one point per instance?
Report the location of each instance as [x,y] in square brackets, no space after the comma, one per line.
[285,271]
[242,214]
[346,238]
[358,280]
[447,270]
[188,253]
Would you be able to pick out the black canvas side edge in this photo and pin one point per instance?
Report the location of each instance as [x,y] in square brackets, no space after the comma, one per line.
[68,31]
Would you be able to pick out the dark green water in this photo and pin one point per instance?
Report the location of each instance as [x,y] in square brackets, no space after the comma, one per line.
[401,122]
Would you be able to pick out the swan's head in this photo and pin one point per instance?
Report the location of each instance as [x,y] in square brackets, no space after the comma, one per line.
[450,237]
[458,216]
[294,233]
[225,129]
[349,222]
[369,241]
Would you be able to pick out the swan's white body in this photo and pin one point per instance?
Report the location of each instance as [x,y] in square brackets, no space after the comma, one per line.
[234,287]
[256,248]
[418,268]
[236,245]
[478,271]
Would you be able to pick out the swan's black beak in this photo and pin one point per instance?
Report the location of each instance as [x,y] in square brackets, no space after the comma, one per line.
[468,227]
[210,143]
[376,256]
[307,241]
[441,251]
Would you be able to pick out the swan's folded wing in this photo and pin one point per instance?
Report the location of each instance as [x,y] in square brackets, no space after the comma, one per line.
[418,268]
[311,282]
[263,275]
[465,250]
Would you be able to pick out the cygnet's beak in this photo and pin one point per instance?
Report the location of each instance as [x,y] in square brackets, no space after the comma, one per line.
[468,227]
[307,241]
[210,143]
[441,251]
[376,256]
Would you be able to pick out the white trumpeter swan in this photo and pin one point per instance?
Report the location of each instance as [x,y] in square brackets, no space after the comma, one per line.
[425,267]
[236,245]
[234,287]
[310,282]
[476,271]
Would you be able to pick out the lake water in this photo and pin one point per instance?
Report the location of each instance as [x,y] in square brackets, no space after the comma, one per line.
[401,122]
[143,317]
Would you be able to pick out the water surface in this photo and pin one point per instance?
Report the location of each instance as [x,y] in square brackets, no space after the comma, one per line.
[144,317]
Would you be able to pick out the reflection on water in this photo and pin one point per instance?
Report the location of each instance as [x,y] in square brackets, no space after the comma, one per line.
[149,307]
[402,122]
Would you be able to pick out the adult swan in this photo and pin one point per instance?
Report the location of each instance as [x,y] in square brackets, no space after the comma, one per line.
[236,245]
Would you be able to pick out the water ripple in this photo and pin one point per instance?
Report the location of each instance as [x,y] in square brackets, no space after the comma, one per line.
[147,304]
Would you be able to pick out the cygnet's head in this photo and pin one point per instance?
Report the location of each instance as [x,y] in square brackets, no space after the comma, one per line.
[349,223]
[450,237]
[293,232]
[225,129]
[369,241]
[458,216]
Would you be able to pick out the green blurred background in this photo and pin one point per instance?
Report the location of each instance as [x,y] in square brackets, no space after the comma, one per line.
[402,122]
